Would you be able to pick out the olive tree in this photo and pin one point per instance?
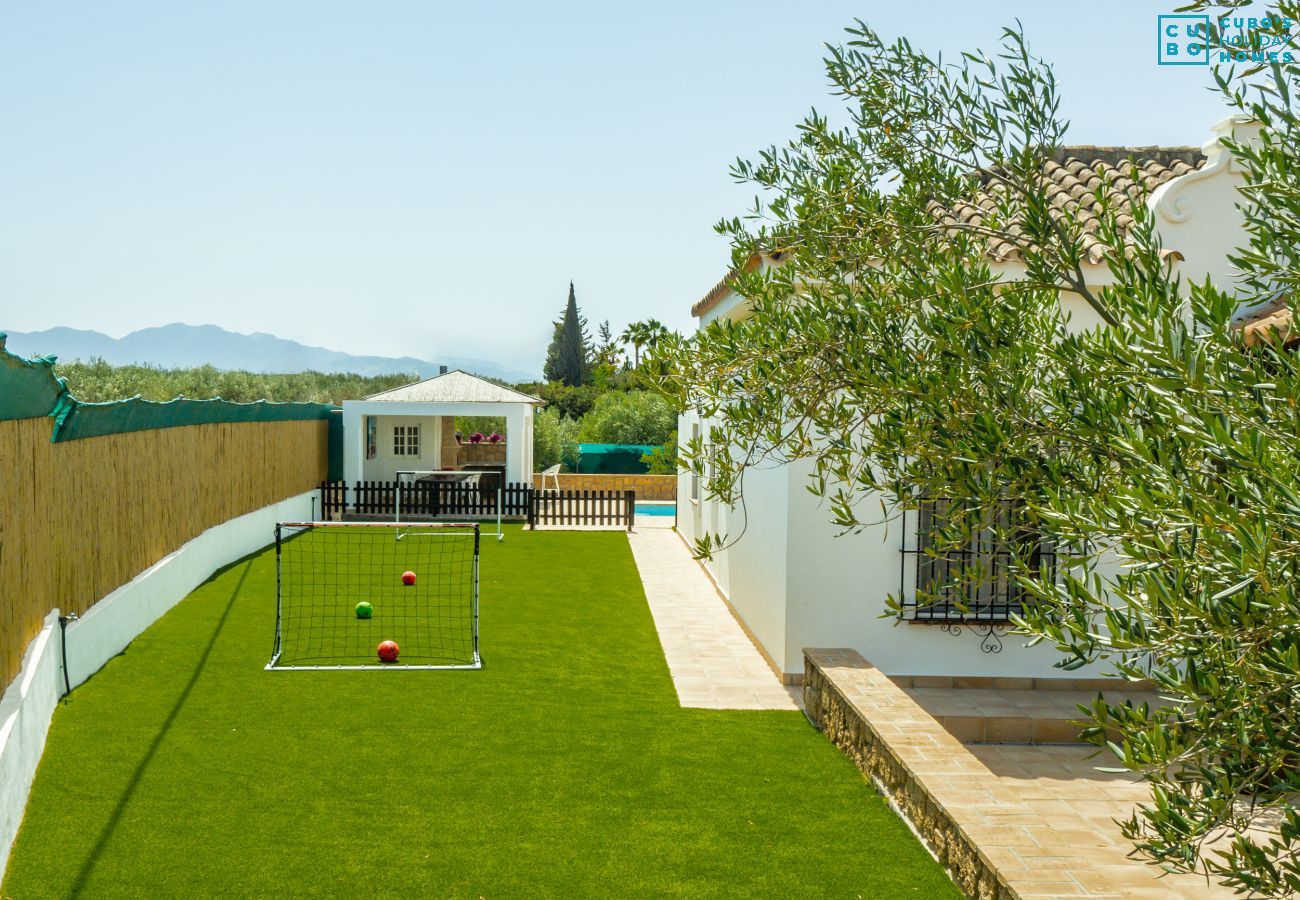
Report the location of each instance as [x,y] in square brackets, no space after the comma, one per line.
[889,351]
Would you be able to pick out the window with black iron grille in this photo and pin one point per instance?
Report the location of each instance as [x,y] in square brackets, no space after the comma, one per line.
[972,581]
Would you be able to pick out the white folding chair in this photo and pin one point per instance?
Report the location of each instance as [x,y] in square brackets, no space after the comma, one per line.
[552,473]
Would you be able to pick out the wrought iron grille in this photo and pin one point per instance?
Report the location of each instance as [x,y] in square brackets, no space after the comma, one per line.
[971,582]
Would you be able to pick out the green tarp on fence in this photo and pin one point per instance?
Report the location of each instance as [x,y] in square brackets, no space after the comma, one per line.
[613,459]
[86,420]
[29,389]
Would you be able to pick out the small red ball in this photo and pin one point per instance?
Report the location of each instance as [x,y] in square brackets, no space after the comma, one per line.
[408,578]
[388,651]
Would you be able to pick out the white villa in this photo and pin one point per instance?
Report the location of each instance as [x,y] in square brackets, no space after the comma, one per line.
[795,584]
[412,428]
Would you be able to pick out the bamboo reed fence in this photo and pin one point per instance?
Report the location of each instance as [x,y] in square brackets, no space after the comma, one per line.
[80,518]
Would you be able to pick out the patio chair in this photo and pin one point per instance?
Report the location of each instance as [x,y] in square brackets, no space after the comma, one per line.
[552,473]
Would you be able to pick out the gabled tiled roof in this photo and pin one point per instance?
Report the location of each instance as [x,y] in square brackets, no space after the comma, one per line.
[454,387]
[1073,176]
[723,287]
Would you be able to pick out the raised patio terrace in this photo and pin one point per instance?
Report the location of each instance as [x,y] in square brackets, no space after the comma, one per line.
[1005,819]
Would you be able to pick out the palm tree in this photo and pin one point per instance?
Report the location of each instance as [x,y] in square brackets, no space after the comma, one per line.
[654,330]
[635,334]
[642,334]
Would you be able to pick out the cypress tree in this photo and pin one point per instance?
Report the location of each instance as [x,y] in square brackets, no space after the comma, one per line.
[568,359]
[551,368]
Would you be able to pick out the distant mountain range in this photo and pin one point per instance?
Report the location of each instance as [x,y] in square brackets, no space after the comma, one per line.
[180,346]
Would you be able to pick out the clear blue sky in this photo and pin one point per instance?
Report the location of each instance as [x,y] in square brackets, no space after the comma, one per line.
[422,178]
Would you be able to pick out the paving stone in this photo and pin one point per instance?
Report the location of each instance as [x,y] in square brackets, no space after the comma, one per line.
[713,662]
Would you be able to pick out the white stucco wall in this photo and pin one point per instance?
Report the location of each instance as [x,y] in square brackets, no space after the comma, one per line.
[688,511]
[797,582]
[386,463]
[749,573]
[1196,214]
[753,572]
[105,631]
[25,713]
[837,585]
[732,306]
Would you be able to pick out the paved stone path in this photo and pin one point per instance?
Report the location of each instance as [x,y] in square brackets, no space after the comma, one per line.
[713,662]
[1062,786]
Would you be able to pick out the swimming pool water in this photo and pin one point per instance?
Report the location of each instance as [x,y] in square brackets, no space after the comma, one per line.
[656,509]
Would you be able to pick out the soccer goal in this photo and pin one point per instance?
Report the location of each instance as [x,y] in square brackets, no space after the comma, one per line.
[376,596]
[413,492]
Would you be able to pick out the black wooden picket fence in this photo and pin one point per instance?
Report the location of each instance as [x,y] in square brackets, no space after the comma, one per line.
[590,508]
[455,499]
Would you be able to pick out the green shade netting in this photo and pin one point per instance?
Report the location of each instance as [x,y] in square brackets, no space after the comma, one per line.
[613,459]
[86,420]
[29,388]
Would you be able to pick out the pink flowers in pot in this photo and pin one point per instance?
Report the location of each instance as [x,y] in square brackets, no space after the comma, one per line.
[476,437]
[494,438]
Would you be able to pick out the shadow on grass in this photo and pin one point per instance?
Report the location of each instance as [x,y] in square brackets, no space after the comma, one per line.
[87,867]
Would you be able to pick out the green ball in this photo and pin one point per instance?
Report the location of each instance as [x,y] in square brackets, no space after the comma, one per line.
[365,610]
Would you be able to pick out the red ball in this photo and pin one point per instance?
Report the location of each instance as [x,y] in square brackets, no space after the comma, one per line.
[408,578]
[388,651]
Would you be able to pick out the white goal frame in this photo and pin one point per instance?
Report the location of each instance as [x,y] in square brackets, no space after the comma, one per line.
[438,529]
[412,474]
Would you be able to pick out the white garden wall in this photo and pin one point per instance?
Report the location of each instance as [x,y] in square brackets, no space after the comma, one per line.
[25,712]
[103,632]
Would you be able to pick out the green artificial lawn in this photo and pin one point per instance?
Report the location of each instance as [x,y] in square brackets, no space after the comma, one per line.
[563,768]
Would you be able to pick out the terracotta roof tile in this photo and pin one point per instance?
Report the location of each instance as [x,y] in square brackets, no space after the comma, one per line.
[1074,178]
[1271,323]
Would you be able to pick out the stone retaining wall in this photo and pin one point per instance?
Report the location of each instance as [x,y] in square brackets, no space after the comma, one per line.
[862,741]
[647,487]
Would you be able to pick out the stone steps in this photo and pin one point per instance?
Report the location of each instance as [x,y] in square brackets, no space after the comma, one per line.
[1015,716]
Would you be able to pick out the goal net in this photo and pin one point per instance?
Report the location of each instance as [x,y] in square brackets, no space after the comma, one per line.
[343,590]
[422,494]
